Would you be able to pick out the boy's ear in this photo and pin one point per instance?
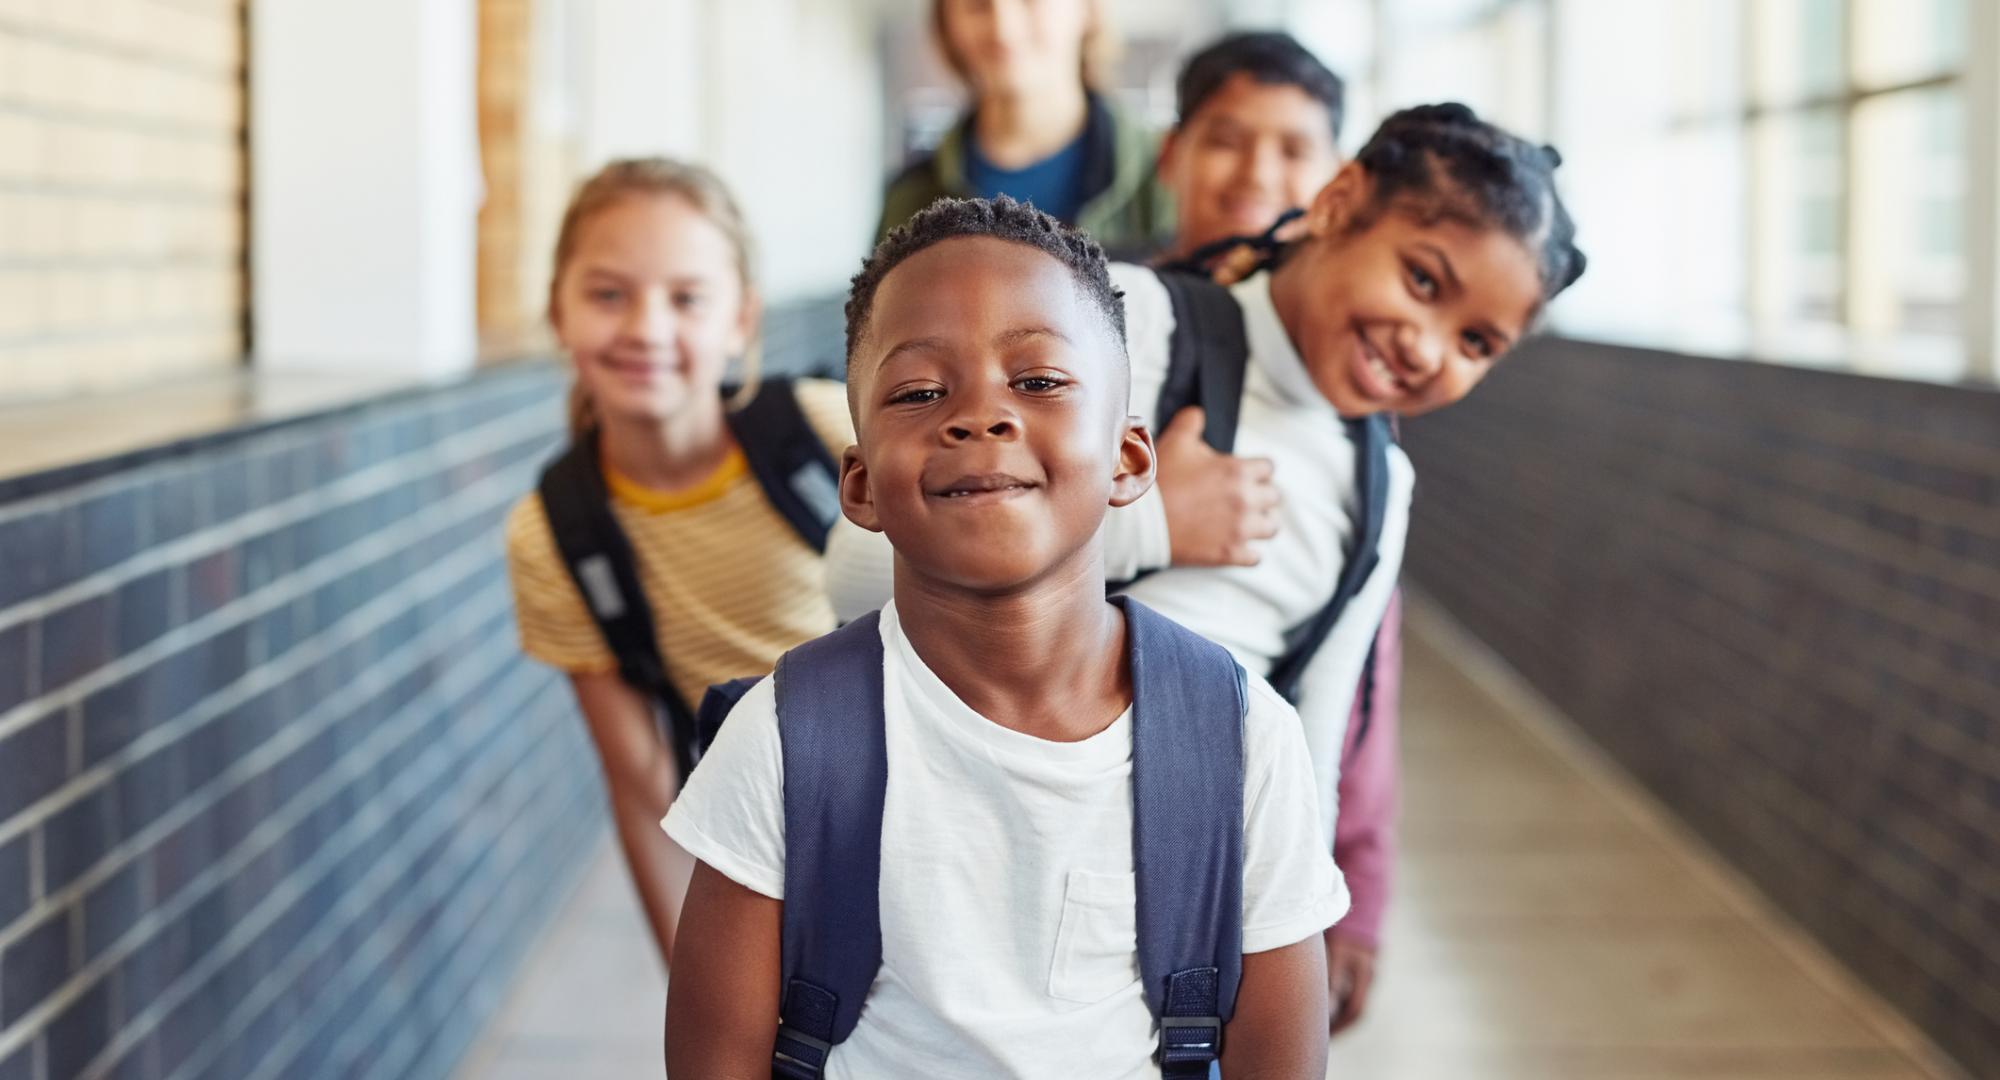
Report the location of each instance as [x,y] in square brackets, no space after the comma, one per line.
[1137,463]
[856,500]
[1163,164]
[1340,202]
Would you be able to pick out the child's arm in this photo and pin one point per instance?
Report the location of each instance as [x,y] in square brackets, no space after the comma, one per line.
[1279,1030]
[1365,834]
[640,777]
[722,1002]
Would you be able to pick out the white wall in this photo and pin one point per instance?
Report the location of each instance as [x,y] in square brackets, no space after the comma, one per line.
[365,185]
[795,126]
[780,97]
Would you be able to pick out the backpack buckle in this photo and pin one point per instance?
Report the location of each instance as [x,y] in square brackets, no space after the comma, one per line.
[798,1056]
[1188,1041]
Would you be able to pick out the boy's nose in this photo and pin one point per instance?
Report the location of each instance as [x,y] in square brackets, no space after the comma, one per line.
[1263,165]
[990,423]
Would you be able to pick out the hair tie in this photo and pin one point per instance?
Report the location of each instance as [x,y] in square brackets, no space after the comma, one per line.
[1551,156]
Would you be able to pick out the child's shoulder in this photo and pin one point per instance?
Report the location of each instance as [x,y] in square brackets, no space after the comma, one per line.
[1271,726]
[1149,315]
[529,538]
[824,403]
[1141,288]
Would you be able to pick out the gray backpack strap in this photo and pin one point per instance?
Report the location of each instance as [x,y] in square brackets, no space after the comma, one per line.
[1188,703]
[836,762]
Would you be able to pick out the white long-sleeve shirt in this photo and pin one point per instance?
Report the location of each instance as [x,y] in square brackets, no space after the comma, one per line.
[1246,609]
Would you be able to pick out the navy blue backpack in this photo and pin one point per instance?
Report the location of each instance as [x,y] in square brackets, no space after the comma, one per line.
[1188,703]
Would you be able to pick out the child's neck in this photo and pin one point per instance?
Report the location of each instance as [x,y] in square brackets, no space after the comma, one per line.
[1047,660]
[672,454]
[1016,130]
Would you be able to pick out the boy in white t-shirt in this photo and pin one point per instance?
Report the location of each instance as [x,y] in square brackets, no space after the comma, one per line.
[988,379]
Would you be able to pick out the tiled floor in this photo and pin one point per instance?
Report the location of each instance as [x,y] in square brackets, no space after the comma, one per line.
[1549,926]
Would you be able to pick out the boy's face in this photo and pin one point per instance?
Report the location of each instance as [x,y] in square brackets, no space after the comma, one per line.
[1248,154]
[990,407]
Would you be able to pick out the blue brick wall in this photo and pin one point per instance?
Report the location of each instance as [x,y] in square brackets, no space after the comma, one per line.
[278,796]
[1774,595]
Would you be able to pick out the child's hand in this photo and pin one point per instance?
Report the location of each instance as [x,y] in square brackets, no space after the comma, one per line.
[1217,504]
[1235,264]
[1350,974]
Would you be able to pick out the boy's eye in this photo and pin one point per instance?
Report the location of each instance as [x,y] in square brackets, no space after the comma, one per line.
[1477,345]
[916,395]
[1040,384]
[1421,280]
[689,300]
[606,296]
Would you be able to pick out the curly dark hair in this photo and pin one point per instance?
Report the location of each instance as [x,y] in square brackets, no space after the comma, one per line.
[1444,162]
[1270,58]
[1003,219]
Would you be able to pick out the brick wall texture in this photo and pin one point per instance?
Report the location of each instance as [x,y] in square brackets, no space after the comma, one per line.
[278,795]
[121,192]
[1774,595]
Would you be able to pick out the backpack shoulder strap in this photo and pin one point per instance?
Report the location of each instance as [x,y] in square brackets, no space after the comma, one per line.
[836,763]
[1371,468]
[599,557]
[1188,702]
[1206,357]
[791,464]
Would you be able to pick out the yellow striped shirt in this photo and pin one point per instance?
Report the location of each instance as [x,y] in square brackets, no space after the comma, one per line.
[730,584]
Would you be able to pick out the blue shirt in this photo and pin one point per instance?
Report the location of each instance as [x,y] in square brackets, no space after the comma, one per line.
[1054,184]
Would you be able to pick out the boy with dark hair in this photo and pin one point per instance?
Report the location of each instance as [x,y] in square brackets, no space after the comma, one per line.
[1042,762]
[1258,135]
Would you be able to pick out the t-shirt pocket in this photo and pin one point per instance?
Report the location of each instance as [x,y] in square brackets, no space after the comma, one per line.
[1097,942]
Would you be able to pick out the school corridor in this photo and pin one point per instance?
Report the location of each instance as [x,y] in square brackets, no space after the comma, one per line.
[1551,923]
[1701,706]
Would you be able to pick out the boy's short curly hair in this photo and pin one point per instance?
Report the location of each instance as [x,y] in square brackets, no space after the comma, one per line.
[1003,219]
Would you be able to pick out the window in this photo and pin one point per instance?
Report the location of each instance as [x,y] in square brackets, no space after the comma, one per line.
[1801,169]
[1794,180]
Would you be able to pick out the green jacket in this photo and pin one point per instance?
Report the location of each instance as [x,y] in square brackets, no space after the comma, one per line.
[1127,211]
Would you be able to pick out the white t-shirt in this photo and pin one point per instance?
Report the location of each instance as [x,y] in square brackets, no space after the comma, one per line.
[1249,609]
[1009,946]
[1246,609]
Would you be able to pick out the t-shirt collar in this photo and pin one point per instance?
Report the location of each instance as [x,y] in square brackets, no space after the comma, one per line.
[1271,348]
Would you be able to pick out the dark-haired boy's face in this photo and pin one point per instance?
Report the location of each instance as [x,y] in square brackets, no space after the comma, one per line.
[1403,314]
[1249,153]
[991,416]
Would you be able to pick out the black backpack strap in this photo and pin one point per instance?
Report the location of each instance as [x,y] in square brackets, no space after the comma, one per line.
[1367,694]
[799,477]
[1371,468]
[1206,357]
[1188,703]
[1266,244]
[599,558]
[836,763]
[714,708]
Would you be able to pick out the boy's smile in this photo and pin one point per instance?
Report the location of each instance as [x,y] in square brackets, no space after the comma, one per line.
[989,397]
